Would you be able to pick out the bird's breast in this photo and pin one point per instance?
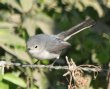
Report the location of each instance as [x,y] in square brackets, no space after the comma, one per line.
[43,55]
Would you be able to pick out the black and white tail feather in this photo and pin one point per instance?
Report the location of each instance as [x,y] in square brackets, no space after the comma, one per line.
[76,29]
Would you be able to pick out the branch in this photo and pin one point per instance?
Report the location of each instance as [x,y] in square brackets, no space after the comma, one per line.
[83,67]
[75,72]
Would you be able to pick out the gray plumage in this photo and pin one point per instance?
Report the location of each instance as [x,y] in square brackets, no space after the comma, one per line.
[43,46]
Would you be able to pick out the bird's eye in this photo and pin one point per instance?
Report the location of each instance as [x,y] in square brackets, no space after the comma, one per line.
[35,46]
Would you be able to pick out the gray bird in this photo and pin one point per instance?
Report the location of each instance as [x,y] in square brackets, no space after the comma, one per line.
[43,46]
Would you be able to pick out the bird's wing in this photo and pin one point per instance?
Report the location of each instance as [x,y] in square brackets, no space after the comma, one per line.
[56,45]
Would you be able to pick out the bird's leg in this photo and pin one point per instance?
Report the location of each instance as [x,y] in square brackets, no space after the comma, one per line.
[54,62]
[37,62]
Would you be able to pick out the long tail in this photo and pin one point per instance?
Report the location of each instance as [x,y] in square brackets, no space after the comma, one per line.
[76,29]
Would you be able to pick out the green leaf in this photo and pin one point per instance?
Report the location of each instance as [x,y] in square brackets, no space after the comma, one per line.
[6,25]
[30,25]
[40,80]
[34,87]
[103,56]
[26,5]
[14,4]
[20,54]
[4,86]
[1,77]
[7,37]
[94,4]
[45,23]
[14,79]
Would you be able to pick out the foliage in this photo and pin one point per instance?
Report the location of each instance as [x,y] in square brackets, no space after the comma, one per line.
[20,19]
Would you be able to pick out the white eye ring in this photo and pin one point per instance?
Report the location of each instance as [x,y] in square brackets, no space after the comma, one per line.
[35,46]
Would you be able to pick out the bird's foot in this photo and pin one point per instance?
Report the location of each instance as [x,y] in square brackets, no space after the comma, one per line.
[36,62]
[51,65]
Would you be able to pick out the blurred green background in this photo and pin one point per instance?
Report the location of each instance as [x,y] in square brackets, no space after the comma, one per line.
[20,19]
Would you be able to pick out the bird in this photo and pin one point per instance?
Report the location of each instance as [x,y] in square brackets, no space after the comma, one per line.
[44,46]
